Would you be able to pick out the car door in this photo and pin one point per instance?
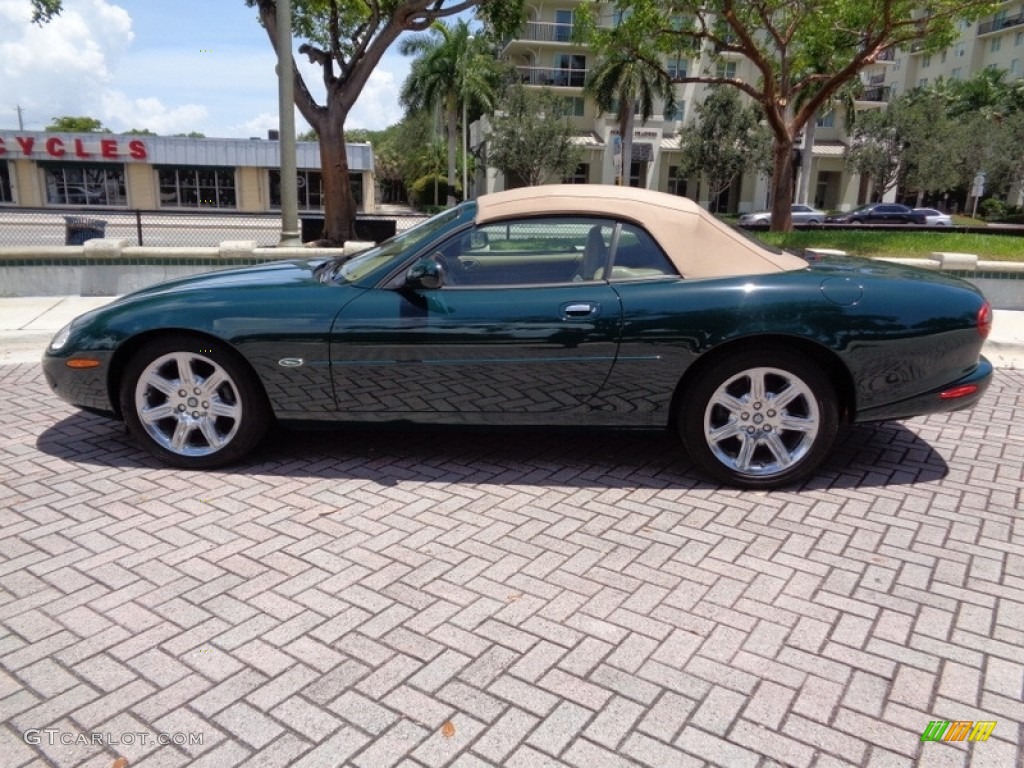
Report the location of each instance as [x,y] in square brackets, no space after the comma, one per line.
[516,330]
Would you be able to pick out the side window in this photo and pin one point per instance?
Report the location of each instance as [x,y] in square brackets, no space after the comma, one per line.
[528,251]
[638,256]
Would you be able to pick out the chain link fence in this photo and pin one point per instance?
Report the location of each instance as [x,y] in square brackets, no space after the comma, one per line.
[43,227]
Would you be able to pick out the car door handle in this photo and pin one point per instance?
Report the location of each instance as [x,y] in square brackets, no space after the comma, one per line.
[581,310]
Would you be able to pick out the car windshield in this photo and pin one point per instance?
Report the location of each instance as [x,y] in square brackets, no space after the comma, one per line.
[357,268]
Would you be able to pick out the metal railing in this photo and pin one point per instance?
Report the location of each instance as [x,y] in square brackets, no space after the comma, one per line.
[554,76]
[999,24]
[546,32]
[51,226]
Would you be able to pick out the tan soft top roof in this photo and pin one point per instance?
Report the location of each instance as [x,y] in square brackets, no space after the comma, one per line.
[697,243]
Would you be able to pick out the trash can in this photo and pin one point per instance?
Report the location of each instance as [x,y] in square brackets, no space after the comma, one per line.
[78,229]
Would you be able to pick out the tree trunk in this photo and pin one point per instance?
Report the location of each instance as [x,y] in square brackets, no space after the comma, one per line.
[339,206]
[626,134]
[782,185]
[806,158]
[453,131]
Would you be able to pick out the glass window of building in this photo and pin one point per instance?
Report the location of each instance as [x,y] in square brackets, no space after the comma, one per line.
[1018,39]
[827,120]
[574,106]
[676,67]
[82,184]
[1015,67]
[580,176]
[995,45]
[926,60]
[678,112]
[197,188]
[676,182]
[726,69]
[311,190]
[573,69]
[564,22]
[5,183]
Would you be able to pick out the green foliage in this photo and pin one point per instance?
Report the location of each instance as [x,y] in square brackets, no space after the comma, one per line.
[73,124]
[909,244]
[802,51]
[45,10]
[190,135]
[531,139]
[429,190]
[727,140]
[453,73]
[992,209]
[139,132]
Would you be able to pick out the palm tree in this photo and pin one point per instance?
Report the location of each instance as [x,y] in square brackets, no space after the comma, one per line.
[622,83]
[452,69]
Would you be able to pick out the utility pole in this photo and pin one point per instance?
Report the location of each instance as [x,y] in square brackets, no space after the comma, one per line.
[286,103]
[21,124]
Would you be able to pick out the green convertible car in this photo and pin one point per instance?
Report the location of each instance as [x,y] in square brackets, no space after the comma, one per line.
[554,305]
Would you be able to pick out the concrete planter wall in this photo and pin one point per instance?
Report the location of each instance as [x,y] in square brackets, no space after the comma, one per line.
[112,267]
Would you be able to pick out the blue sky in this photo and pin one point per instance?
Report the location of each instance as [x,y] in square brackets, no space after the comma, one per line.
[168,65]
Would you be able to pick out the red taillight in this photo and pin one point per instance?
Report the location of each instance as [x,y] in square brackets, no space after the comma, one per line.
[955,392]
[985,320]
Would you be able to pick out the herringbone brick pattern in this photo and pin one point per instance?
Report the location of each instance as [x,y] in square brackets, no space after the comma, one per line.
[472,598]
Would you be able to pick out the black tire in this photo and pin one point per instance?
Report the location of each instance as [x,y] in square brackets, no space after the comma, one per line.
[734,434]
[213,417]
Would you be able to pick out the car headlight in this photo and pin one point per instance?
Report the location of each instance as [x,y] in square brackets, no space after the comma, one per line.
[61,338]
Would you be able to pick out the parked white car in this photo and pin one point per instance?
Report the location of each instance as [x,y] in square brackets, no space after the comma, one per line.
[802,214]
[935,218]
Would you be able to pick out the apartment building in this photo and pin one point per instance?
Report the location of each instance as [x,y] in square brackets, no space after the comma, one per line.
[545,56]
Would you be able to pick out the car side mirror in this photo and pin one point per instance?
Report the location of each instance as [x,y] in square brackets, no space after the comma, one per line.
[426,273]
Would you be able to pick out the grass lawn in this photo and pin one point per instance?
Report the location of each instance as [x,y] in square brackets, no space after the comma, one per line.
[902,244]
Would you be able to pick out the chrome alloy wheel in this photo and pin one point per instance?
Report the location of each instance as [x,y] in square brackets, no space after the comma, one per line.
[761,421]
[188,404]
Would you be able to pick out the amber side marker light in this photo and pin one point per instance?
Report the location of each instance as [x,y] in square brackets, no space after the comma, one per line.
[82,363]
[955,392]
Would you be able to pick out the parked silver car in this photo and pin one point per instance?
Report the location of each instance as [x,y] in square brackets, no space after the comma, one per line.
[802,214]
[935,218]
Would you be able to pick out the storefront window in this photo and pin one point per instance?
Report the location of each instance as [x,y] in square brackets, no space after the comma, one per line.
[311,190]
[5,183]
[85,185]
[197,188]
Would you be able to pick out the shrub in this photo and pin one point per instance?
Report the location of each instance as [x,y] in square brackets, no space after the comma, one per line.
[992,208]
[422,190]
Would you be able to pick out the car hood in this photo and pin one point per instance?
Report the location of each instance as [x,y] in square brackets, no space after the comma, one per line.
[275,273]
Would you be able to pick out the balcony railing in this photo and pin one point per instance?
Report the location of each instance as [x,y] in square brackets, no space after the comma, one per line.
[889,54]
[555,76]
[546,32]
[877,93]
[876,79]
[999,24]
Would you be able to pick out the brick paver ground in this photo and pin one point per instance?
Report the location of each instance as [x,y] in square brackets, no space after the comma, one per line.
[450,598]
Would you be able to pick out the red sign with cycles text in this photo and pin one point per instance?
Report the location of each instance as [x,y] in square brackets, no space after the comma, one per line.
[57,148]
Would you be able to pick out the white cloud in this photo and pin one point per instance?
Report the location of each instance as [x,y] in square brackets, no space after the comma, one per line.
[123,113]
[213,74]
[377,106]
[63,67]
